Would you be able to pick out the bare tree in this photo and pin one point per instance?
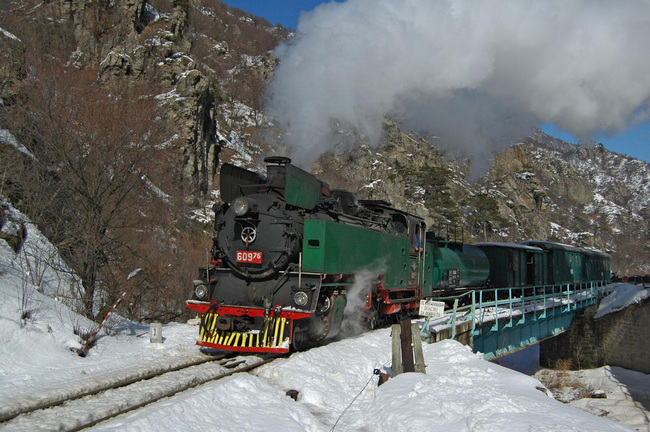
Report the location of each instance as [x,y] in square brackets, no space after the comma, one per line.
[100,178]
[87,184]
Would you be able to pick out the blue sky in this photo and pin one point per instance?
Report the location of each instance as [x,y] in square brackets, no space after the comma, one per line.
[634,142]
[285,12]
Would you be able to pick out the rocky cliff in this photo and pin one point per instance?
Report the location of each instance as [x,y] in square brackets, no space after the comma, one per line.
[200,61]
[207,64]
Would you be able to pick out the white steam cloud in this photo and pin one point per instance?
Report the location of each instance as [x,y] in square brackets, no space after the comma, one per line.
[356,300]
[477,74]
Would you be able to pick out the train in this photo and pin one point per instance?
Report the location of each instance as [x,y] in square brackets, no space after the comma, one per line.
[293,262]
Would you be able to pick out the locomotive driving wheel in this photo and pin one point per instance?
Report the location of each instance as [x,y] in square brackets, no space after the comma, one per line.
[300,339]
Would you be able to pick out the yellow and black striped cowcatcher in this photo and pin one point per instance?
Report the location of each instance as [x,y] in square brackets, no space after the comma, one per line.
[274,335]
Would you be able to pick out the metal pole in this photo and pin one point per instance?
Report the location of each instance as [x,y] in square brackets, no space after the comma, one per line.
[473,315]
[453,321]
[300,270]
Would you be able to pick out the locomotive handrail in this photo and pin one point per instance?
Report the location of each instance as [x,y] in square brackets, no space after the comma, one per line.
[260,186]
[368,223]
[329,284]
[451,232]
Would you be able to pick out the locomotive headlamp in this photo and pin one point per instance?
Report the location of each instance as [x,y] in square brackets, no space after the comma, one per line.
[240,206]
[300,298]
[201,292]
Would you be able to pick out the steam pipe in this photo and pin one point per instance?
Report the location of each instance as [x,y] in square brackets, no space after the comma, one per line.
[299,270]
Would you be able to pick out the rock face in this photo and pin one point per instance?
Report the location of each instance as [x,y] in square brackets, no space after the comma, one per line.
[206,64]
[186,56]
[151,48]
[615,339]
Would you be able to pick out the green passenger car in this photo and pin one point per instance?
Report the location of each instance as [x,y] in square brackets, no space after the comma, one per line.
[596,266]
[514,265]
[564,263]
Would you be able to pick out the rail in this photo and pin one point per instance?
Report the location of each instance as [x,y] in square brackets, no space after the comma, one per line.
[91,405]
[515,305]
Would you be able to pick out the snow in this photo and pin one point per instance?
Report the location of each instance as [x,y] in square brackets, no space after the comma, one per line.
[623,393]
[156,190]
[337,389]
[623,388]
[613,211]
[171,95]
[9,35]
[36,352]
[238,403]
[622,296]
[252,61]
[372,184]
[205,215]
[125,57]
[525,175]
[459,392]
[154,15]
[7,137]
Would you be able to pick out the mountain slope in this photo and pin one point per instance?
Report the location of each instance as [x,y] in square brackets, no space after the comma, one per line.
[206,65]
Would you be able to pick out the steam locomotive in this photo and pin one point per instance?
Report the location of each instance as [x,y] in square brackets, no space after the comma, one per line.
[294,261]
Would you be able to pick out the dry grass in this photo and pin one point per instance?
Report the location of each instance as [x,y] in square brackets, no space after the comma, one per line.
[563,382]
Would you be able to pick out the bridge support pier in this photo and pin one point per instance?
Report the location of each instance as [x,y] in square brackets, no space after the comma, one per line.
[617,339]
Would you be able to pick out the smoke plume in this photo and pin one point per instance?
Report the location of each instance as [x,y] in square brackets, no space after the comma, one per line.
[477,74]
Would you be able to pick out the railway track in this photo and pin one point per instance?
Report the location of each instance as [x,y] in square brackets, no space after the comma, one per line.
[87,407]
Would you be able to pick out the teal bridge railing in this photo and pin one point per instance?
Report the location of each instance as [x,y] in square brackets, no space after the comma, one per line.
[505,320]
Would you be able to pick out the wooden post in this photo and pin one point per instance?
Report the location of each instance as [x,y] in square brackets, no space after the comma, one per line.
[417,345]
[397,351]
[406,338]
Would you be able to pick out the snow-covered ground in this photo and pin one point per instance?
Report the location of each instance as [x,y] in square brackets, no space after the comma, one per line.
[336,387]
[612,392]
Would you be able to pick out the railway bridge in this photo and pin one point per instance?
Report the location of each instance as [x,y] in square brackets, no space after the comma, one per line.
[501,321]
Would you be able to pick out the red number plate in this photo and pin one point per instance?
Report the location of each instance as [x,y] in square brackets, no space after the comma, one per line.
[249,257]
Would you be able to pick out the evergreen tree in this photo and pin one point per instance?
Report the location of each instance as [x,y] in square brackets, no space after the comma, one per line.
[484,216]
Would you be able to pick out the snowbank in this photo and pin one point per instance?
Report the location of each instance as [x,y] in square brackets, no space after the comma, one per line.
[621,296]
[338,391]
[37,339]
